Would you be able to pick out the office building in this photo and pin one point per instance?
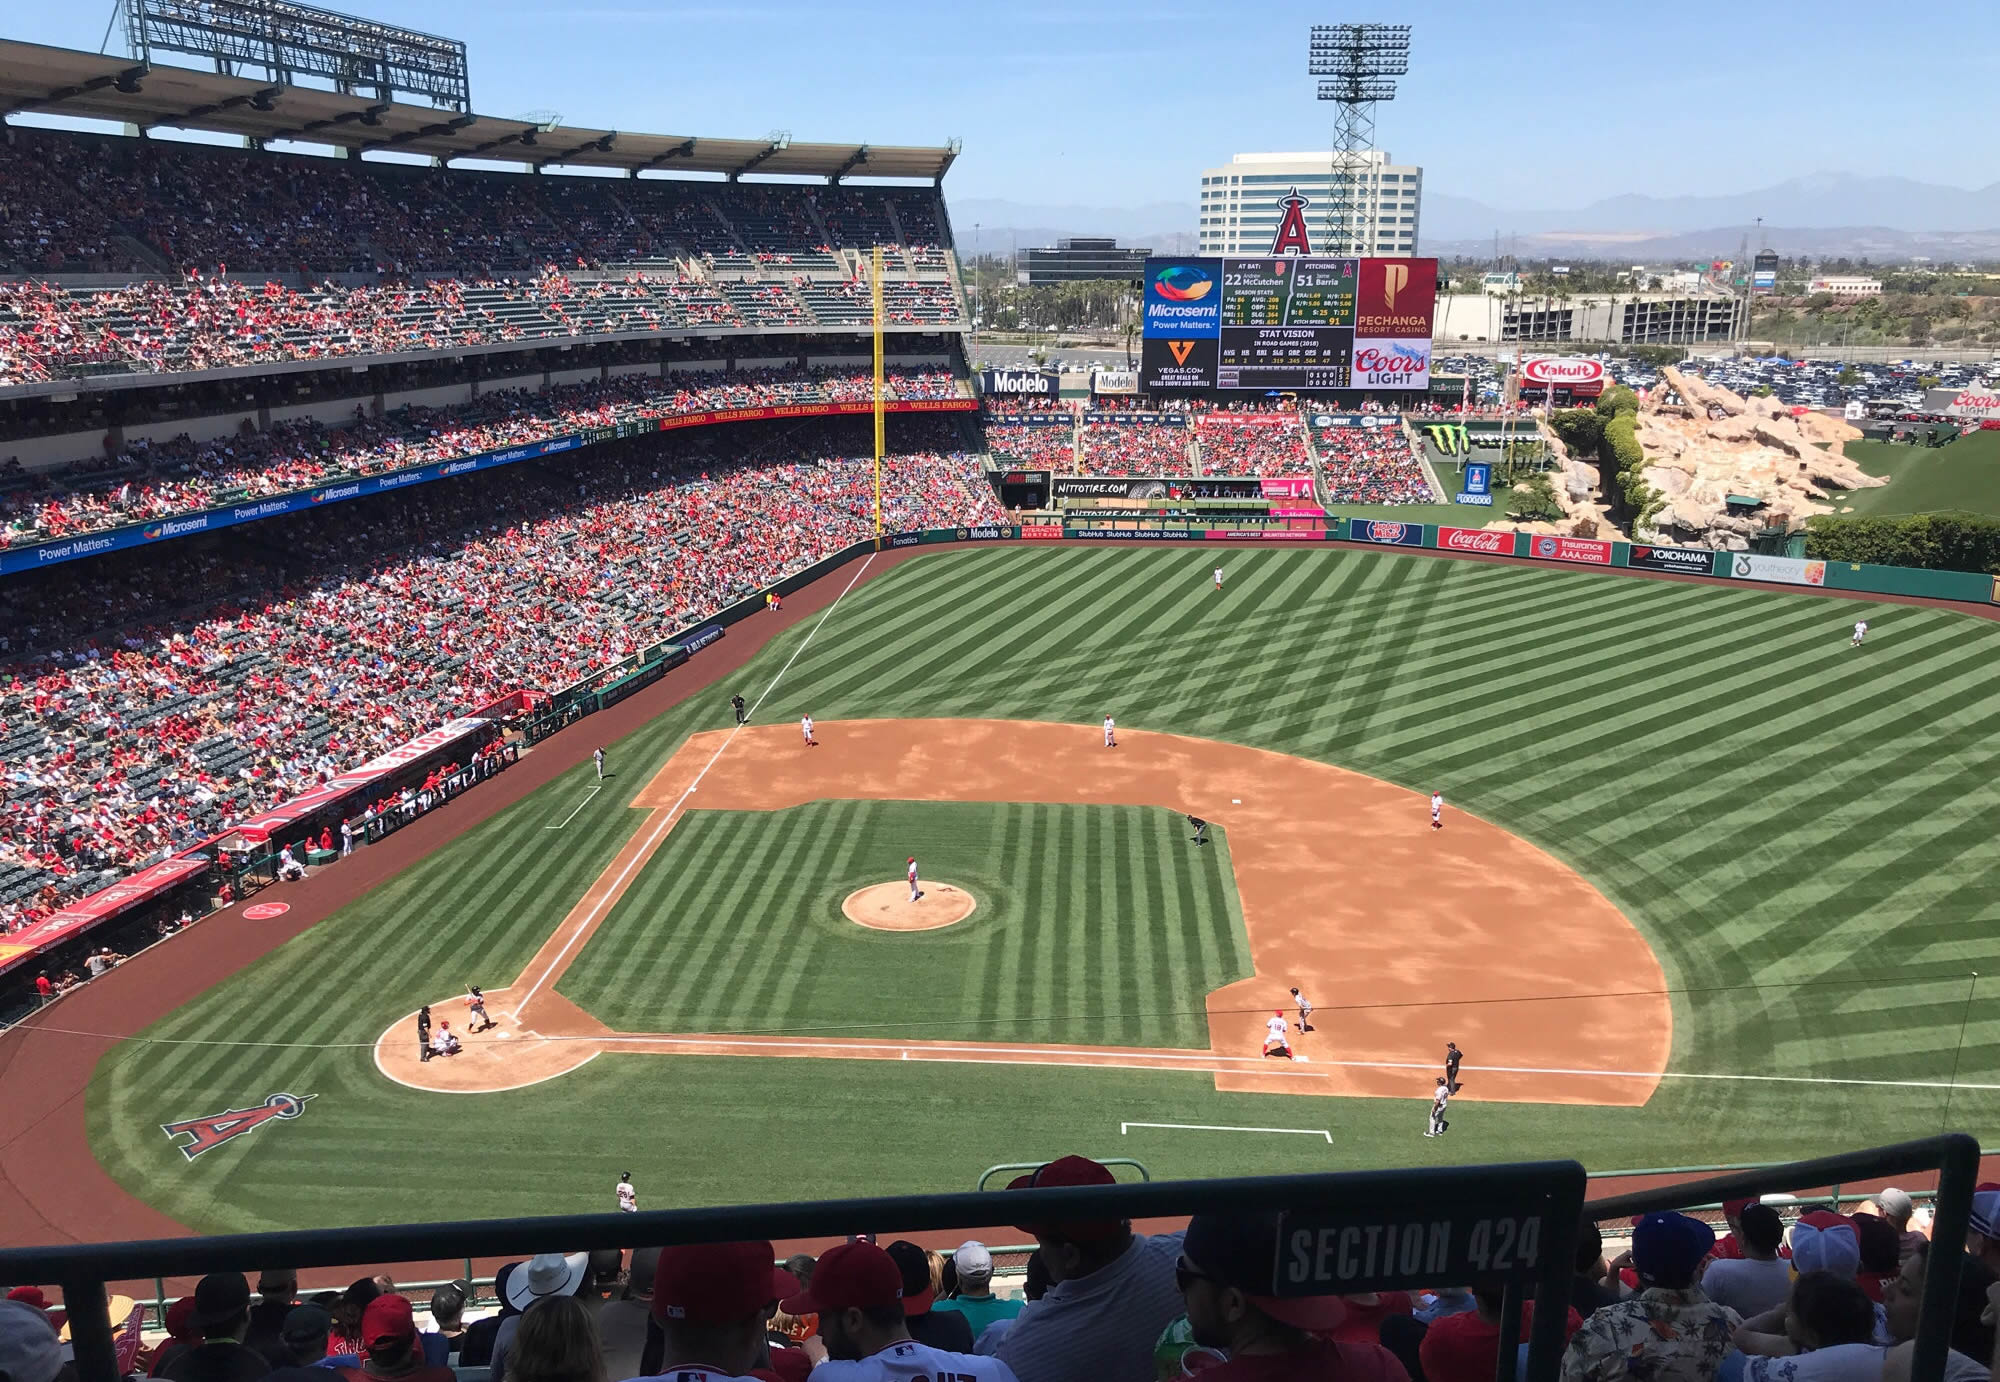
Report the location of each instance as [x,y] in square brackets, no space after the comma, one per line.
[1080,259]
[1242,203]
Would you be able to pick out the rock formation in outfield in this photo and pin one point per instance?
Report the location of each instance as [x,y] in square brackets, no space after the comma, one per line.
[1716,443]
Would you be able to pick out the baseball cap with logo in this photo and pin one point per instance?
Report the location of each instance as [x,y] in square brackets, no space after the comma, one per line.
[717,1283]
[852,1276]
[1241,1251]
[1069,1171]
[388,1320]
[1668,1247]
[915,1265]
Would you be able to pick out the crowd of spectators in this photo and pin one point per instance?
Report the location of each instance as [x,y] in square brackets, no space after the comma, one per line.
[155,480]
[1838,1302]
[159,325]
[1033,448]
[1231,445]
[1111,447]
[104,204]
[1370,465]
[147,704]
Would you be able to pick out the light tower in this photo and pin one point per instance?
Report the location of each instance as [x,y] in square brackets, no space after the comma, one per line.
[1359,64]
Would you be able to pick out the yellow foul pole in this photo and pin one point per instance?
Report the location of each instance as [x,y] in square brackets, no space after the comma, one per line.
[875,292]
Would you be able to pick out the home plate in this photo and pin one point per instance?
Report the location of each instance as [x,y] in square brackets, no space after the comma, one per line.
[1236,801]
[506,1036]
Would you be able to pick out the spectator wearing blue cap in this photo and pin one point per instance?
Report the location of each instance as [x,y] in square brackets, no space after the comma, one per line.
[1671,1331]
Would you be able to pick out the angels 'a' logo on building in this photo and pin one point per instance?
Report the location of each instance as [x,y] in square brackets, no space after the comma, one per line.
[217,1128]
[1291,237]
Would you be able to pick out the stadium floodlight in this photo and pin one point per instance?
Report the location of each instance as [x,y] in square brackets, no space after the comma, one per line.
[1360,63]
[283,41]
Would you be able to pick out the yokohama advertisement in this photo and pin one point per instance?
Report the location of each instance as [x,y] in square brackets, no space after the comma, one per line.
[1689,561]
[1490,540]
[1388,534]
[1547,547]
[1749,566]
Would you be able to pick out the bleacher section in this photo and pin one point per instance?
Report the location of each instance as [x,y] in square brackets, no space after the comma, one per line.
[1369,465]
[1116,445]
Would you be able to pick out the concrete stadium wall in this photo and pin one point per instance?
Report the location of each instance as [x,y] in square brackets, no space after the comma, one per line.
[200,428]
[574,376]
[445,396]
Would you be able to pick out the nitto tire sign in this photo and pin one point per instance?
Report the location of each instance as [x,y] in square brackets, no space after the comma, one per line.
[1388,534]
[1688,561]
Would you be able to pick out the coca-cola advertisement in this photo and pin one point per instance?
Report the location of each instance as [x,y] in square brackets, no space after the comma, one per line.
[1400,363]
[1489,540]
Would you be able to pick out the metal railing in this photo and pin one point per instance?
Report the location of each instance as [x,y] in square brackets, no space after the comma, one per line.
[1016,1167]
[1513,1222]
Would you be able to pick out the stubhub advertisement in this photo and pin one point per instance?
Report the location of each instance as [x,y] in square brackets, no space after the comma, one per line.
[1184,297]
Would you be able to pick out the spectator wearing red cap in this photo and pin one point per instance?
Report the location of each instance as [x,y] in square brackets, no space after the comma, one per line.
[182,1334]
[1729,1246]
[390,1348]
[30,1296]
[1671,1331]
[222,1314]
[1225,1275]
[857,1292]
[1111,1292]
[1758,1280]
[709,1305]
[1465,1347]
[944,1330]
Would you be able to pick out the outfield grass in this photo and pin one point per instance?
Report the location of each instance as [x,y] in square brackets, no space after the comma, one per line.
[1095,925]
[1963,476]
[1803,831]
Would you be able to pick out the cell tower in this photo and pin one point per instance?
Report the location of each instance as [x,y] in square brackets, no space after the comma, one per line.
[1358,64]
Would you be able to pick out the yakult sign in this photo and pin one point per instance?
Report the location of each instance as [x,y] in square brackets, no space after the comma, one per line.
[1401,363]
[1578,378]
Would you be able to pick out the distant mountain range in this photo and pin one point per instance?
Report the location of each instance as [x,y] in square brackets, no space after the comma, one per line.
[1820,214]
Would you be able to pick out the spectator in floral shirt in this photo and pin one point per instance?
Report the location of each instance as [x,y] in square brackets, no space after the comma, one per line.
[1670,1331]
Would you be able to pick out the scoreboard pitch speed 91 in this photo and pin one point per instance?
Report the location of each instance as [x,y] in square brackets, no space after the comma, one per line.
[1287,323]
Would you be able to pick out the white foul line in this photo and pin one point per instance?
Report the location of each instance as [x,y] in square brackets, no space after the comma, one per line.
[579,806]
[667,820]
[1214,1127]
[1662,1074]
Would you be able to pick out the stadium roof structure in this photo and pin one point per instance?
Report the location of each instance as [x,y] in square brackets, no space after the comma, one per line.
[98,86]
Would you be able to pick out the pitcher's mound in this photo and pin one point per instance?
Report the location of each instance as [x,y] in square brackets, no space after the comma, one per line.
[887,906]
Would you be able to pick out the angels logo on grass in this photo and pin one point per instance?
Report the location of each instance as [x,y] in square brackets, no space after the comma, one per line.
[217,1128]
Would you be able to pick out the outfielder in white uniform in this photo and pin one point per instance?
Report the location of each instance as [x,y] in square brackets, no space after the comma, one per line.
[1437,810]
[1218,578]
[806,725]
[1860,631]
[597,757]
[1110,733]
[1438,1101]
[915,891]
[628,1198]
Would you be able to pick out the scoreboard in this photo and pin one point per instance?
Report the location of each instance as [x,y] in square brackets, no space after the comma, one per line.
[1286,323]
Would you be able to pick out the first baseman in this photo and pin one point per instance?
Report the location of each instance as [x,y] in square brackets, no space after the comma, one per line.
[1437,810]
[1110,733]
[1278,1036]
[915,891]
[806,726]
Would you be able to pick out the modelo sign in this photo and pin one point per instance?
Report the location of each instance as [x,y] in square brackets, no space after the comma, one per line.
[1563,373]
[1020,383]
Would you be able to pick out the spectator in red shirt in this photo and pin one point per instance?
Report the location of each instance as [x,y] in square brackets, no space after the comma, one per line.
[1465,1348]
[1225,1273]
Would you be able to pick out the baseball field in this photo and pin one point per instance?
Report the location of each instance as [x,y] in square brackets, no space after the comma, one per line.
[1712,886]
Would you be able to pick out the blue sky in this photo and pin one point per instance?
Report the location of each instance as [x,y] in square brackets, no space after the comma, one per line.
[1521,104]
